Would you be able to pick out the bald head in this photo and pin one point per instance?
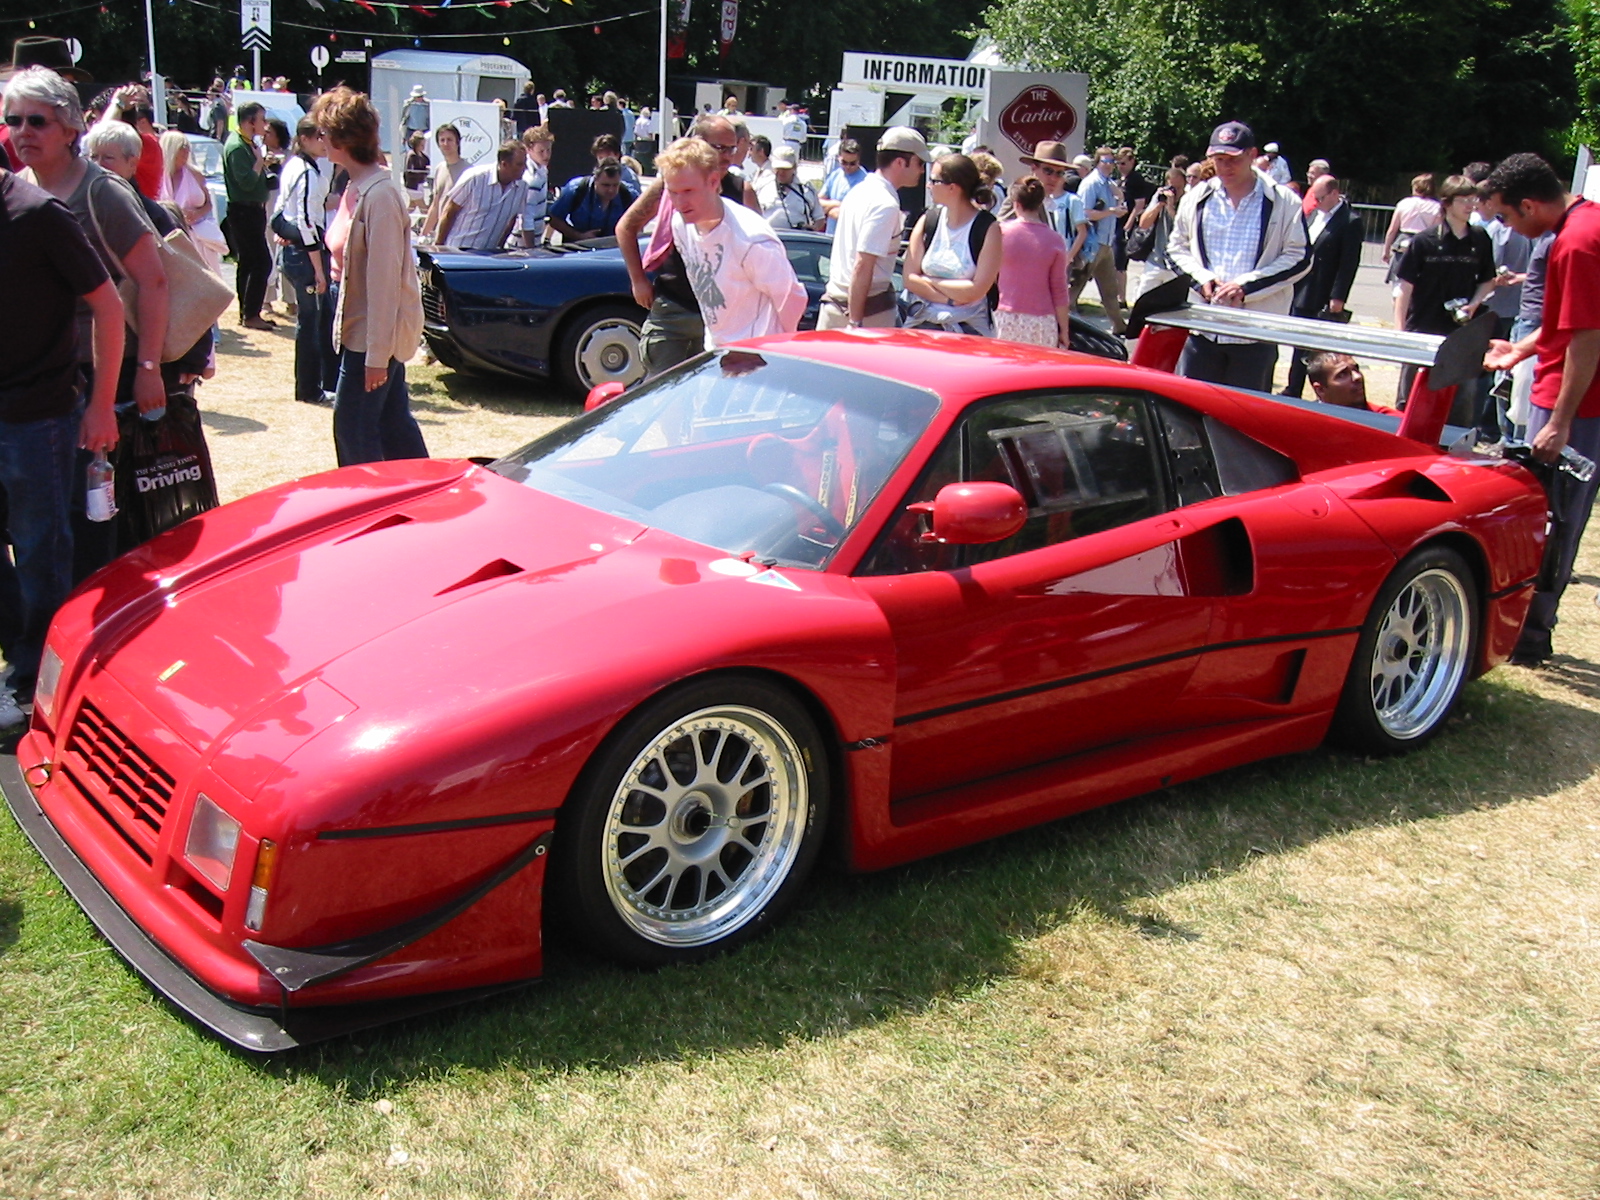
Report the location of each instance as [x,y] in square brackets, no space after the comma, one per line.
[1325,193]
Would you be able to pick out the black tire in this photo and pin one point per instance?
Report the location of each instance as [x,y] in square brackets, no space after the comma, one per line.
[1090,339]
[601,345]
[445,352]
[694,826]
[1414,655]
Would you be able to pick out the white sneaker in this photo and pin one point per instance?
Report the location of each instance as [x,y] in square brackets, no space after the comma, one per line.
[10,714]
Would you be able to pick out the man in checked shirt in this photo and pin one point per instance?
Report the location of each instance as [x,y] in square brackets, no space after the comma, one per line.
[1241,240]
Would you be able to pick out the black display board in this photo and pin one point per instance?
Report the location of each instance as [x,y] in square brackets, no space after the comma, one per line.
[575,130]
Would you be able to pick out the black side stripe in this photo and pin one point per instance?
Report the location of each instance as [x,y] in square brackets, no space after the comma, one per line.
[1088,676]
[383,831]
[1514,588]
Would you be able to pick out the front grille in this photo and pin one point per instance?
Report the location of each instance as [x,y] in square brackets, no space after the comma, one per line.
[432,304]
[133,792]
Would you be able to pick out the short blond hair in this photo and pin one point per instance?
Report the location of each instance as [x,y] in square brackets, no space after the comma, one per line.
[689,154]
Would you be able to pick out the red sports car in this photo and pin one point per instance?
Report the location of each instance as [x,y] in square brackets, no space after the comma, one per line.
[344,749]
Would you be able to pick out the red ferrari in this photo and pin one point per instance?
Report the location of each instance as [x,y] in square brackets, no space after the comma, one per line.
[346,748]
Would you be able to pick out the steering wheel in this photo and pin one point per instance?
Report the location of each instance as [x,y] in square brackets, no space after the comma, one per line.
[831,525]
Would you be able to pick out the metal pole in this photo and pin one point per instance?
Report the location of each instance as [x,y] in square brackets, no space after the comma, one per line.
[158,97]
[661,113]
[255,68]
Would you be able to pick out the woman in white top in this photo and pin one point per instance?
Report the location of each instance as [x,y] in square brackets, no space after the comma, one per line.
[183,185]
[299,222]
[941,268]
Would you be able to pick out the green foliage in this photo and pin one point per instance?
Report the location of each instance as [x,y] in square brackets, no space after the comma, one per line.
[1583,36]
[1382,88]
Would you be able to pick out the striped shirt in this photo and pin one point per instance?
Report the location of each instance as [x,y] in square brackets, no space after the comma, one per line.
[538,202]
[487,207]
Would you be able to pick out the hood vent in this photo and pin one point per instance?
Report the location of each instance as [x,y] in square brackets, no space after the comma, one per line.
[495,570]
[388,522]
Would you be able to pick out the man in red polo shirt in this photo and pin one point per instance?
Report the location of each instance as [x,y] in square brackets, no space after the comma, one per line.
[1525,191]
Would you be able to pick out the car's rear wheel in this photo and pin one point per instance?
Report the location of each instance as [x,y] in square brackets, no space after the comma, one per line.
[695,826]
[601,345]
[1414,655]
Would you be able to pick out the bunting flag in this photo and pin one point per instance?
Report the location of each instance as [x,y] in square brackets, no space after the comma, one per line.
[730,24]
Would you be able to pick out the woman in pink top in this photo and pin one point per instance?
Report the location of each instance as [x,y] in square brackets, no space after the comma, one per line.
[1033,273]
[1418,211]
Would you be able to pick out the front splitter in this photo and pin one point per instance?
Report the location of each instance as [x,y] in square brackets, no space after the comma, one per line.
[261,1030]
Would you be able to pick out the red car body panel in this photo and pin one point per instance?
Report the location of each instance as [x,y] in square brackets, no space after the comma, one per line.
[398,673]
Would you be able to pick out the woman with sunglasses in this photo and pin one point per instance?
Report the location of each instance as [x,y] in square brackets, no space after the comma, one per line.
[377,323]
[952,264]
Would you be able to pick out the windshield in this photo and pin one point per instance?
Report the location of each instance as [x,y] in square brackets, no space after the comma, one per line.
[745,452]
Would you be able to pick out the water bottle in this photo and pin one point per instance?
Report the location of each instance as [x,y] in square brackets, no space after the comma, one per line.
[1579,466]
[102,502]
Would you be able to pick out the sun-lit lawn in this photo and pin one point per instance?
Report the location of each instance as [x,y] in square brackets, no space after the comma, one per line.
[1316,977]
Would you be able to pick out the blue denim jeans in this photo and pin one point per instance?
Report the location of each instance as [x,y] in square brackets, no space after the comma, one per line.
[312,346]
[1570,504]
[36,471]
[373,426]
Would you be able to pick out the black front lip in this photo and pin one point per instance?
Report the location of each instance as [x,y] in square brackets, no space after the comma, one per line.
[263,1030]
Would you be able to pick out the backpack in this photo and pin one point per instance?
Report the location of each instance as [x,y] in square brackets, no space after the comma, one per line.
[977,231]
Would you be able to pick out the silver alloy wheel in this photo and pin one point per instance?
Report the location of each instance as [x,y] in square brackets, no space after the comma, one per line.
[1420,654]
[705,826]
[608,352]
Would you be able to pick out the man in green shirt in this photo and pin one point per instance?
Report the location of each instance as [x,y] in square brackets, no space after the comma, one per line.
[244,171]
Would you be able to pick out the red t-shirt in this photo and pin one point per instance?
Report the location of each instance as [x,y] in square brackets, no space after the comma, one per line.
[1571,303]
[147,177]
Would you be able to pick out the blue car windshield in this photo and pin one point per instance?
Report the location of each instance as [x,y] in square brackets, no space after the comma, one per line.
[745,452]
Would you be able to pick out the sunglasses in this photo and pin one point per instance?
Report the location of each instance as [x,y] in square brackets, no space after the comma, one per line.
[1108,160]
[34,120]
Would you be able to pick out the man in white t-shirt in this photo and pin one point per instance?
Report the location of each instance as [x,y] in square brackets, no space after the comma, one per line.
[860,277]
[736,265]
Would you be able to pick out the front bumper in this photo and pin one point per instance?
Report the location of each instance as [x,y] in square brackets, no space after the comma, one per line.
[258,1029]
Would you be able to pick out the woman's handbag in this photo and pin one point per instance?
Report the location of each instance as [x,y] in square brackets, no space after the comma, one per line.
[1143,240]
[195,296]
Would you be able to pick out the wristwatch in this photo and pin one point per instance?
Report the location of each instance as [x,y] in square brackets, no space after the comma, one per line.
[149,365]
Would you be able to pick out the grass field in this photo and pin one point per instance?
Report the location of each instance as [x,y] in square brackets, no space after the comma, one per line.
[1314,977]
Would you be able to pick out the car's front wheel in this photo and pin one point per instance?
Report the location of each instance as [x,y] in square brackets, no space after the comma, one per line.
[695,826]
[1415,652]
[601,345]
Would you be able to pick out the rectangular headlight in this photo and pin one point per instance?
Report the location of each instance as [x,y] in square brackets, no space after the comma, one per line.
[213,837]
[44,691]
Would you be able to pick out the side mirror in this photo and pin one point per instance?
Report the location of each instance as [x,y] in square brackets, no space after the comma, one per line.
[602,393]
[974,514]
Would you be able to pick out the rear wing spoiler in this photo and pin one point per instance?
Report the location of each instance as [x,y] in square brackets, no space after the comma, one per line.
[1164,318]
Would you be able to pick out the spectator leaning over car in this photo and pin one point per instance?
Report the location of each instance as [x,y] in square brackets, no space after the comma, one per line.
[591,205]
[608,146]
[445,175]
[1241,240]
[861,274]
[1529,197]
[537,142]
[674,329]
[378,313]
[486,201]
[738,268]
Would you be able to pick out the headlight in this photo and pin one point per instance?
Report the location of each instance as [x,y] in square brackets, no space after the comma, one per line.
[213,837]
[44,691]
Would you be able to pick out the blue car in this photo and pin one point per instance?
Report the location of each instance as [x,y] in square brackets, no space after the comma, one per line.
[567,312]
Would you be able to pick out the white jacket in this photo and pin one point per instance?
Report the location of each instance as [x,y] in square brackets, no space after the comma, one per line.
[1283,251]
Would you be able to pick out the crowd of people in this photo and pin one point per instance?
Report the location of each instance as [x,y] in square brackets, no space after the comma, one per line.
[90,196]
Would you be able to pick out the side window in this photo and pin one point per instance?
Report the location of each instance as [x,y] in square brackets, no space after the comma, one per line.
[1083,462]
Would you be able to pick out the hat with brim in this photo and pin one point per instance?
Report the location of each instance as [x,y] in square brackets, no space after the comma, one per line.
[903,139]
[416,90]
[50,52]
[784,156]
[1050,154]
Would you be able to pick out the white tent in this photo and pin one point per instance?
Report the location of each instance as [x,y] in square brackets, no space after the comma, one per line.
[443,76]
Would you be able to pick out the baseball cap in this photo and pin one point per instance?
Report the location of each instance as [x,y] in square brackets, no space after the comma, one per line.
[1270,148]
[1231,137]
[906,140]
[784,156]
